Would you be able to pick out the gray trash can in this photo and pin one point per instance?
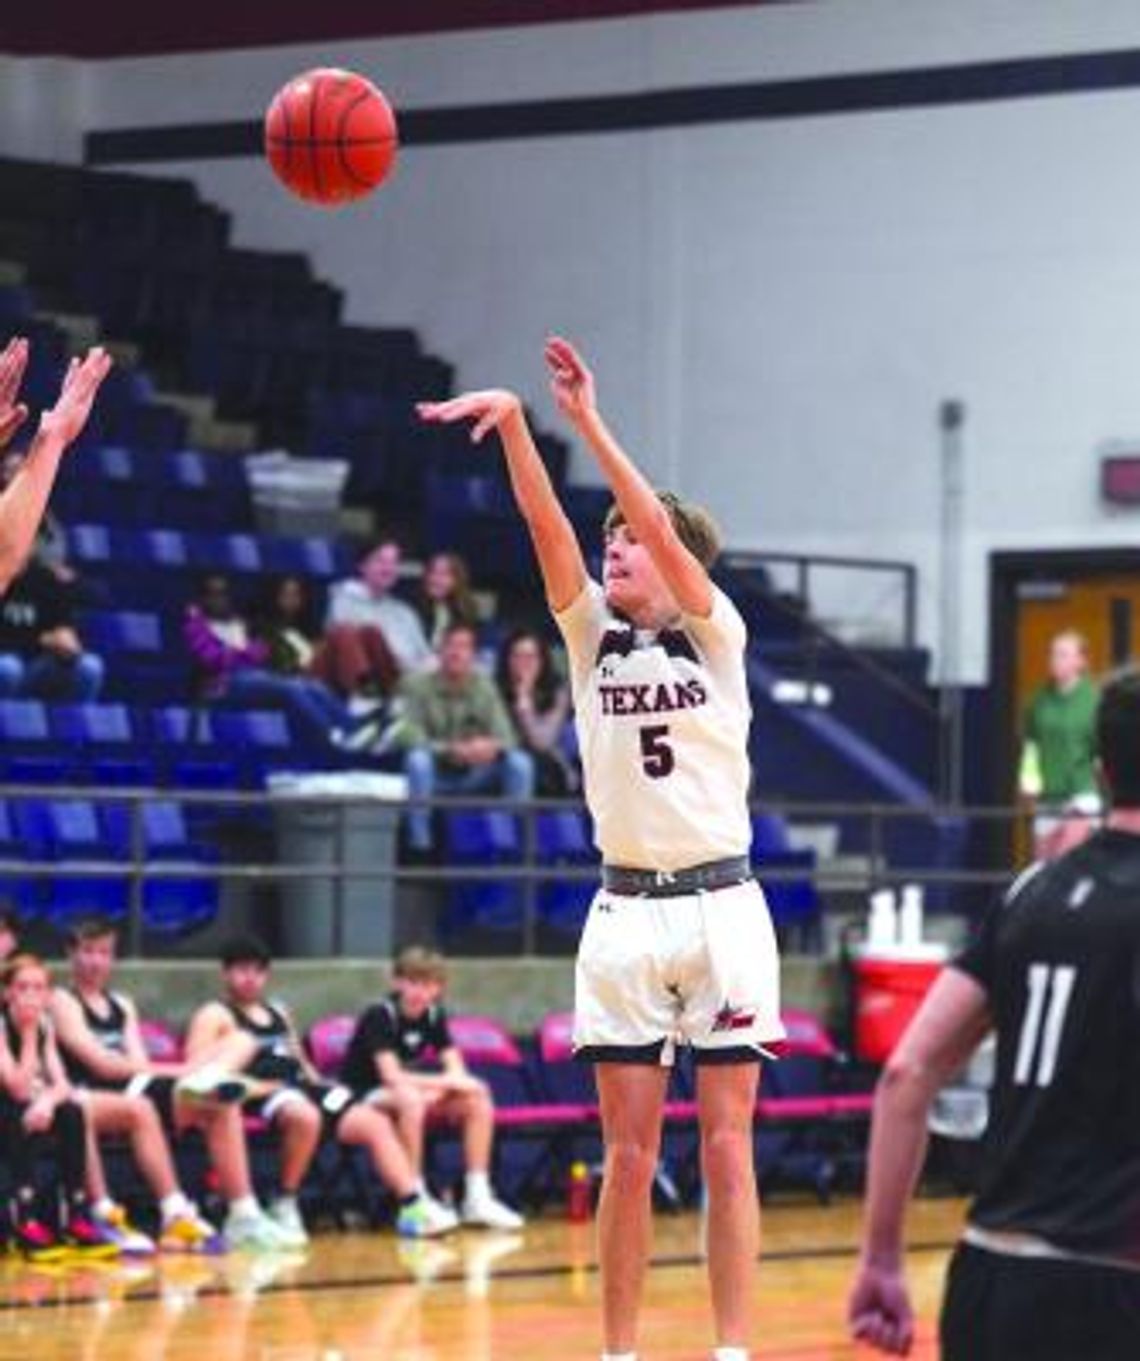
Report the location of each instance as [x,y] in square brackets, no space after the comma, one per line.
[312,816]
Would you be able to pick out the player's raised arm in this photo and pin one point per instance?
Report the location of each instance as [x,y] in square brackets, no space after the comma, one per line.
[555,543]
[23,500]
[573,386]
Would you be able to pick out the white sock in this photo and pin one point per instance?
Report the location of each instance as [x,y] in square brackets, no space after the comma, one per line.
[730,1354]
[103,1207]
[287,1200]
[619,1356]
[174,1206]
[245,1207]
[478,1184]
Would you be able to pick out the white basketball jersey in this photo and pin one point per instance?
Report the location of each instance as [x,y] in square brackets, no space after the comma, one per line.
[663,723]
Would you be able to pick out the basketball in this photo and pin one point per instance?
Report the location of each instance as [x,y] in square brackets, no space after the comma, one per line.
[330,136]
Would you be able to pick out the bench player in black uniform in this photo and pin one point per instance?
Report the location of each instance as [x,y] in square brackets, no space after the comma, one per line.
[126,1093]
[297,1103]
[39,1113]
[1048,1268]
[402,1058]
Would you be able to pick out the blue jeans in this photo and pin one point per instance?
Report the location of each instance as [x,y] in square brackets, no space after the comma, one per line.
[511,775]
[45,676]
[314,711]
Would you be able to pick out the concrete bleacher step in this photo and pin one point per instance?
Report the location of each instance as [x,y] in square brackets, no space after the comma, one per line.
[12,273]
[207,429]
[125,353]
[82,329]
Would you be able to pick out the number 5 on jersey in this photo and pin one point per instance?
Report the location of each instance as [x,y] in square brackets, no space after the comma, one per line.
[657,759]
[1050,990]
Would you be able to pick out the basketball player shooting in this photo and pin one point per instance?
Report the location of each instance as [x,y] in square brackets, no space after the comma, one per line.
[678,947]
[23,500]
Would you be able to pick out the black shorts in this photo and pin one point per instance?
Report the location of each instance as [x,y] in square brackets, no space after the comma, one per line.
[1004,1308]
[332,1100]
[159,1091]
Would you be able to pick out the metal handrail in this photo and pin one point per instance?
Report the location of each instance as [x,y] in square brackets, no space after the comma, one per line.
[138,869]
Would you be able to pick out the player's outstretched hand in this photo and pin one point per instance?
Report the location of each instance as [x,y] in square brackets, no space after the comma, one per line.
[879,1311]
[81,382]
[13,413]
[488,409]
[571,381]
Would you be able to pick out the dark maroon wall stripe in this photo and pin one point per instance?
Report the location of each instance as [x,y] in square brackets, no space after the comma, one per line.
[115,30]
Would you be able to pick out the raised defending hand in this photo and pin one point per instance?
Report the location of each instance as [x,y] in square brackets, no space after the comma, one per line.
[81,382]
[488,409]
[879,1310]
[571,381]
[13,413]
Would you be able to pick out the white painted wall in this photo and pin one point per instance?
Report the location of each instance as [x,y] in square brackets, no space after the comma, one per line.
[776,309]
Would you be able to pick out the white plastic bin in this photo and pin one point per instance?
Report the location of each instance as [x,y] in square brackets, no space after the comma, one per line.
[295,495]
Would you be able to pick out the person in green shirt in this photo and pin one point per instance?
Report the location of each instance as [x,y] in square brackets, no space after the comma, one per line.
[1058,770]
[456,735]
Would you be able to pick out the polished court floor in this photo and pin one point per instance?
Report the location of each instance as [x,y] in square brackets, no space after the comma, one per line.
[475,1297]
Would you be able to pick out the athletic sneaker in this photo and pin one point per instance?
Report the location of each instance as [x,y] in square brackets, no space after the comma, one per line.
[191,1233]
[487,1211]
[85,1236]
[425,1217]
[210,1083]
[288,1222]
[130,1241]
[255,1233]
[32,1238]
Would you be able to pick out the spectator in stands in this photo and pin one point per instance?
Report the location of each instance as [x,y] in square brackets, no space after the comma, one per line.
[233,666]
[1058,771]
[366,604]
[38,1115]
[402,1057]
[41,653]
[538,702]
[24,498]
[444,596]
[125,1093]
[456,735]
[295,1101]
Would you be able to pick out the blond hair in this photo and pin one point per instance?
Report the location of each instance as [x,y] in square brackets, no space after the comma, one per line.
[418,964]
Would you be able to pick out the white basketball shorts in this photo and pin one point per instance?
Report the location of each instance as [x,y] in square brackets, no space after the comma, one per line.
[652,973]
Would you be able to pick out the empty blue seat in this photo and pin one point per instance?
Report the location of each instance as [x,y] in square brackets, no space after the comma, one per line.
[226,552]
[88,544]
[111,631]
[264,730]
[92,725]
[481,835]
[23,721]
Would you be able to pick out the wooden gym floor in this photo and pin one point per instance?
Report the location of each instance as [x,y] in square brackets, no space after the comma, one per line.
[472,1297]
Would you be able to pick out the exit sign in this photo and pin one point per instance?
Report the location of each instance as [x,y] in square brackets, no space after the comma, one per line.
[1120,479]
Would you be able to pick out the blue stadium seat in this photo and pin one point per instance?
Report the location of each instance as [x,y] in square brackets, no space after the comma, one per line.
[113,631]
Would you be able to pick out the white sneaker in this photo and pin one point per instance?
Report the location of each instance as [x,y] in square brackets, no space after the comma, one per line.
[255,1233]
[210,1083]
[425,1217]
[487,1211]
[288,1222]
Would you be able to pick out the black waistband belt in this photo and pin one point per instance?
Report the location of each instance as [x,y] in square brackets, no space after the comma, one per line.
[706,878]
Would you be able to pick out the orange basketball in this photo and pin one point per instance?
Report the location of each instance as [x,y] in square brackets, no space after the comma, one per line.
[330,136]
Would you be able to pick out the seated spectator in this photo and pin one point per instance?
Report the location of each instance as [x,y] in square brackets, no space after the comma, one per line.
[538,702]
[39,1116]
[456,735]
[233,666]
[444,596]
[41,654]
[383,626]
[124,1092]
[402,1057]
[295,1101]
